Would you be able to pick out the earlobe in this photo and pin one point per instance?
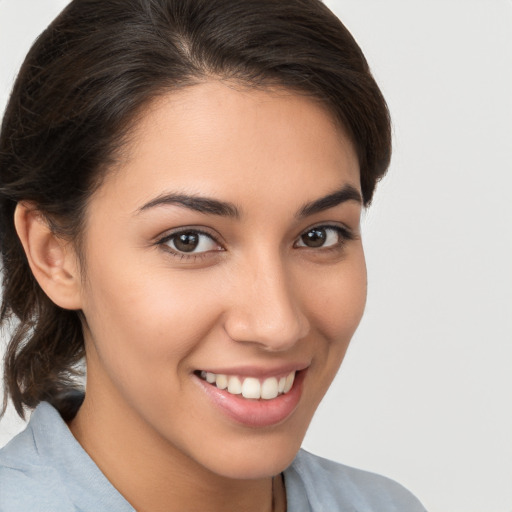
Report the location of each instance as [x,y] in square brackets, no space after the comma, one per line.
[52,260]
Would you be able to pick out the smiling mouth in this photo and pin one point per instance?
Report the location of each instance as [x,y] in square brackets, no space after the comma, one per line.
[250,387]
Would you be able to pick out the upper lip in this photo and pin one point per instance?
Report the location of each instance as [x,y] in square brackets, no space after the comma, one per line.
[257,371]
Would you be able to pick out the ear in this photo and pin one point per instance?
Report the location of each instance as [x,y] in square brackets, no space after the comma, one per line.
[53,261]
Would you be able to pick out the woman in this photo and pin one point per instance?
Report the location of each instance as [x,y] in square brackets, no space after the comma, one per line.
[181,188]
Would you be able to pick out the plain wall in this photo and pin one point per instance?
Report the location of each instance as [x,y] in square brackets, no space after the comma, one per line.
[425,393]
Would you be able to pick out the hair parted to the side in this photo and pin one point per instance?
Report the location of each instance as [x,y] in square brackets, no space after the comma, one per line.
[84,82]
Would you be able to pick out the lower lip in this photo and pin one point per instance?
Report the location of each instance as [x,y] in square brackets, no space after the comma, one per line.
[255,413]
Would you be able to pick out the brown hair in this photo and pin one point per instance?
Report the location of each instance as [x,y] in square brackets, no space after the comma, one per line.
[82,84]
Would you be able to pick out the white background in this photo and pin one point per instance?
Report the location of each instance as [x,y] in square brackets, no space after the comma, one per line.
[425,393]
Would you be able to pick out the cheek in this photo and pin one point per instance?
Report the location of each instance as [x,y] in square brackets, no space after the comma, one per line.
[143,327]
[137,316]
[335,310]
[337,300]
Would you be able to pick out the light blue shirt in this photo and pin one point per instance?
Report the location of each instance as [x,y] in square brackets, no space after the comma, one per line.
[44,469]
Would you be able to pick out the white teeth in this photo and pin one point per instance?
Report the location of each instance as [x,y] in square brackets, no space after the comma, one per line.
[234,385]
[289,382]
[251,387]
[269,388]
[221,381]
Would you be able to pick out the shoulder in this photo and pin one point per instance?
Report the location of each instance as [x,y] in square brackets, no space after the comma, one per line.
[44,469]
[26,482]
[327,484]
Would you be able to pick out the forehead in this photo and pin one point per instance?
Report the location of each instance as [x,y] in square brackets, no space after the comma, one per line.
[218,139]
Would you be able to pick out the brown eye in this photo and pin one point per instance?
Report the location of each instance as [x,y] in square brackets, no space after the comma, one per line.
[186,242]
[323,236]
[314,238]
[191,242]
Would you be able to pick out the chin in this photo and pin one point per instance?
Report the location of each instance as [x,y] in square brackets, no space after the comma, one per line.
[249,466]
[256,456]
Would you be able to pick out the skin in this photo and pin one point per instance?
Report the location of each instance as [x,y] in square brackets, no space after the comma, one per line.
[255,296]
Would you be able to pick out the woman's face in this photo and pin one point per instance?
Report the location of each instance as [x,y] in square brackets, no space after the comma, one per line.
[224,250]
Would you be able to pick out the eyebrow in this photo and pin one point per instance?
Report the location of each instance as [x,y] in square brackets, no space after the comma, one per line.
[346,193]
[225,209]
[198,204]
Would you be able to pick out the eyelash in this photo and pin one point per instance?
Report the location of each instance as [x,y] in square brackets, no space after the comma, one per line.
[183,255]
[344,234]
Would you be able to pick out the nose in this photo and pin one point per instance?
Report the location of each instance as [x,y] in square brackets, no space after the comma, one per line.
[265,310]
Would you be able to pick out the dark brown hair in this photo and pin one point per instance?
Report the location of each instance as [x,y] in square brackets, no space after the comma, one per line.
[80,88]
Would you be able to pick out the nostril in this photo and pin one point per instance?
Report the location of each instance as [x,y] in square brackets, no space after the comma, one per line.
[274,334]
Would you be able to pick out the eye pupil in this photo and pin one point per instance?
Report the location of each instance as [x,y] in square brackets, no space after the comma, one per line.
[315,237]
[186,242]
